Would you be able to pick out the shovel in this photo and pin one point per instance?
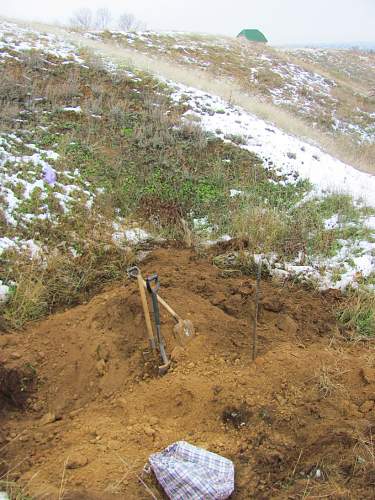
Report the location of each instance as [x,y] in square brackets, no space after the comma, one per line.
[153,285]
[134,272]
[184,329]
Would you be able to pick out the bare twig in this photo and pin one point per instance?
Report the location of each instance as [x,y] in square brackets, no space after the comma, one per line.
[140,479]
[255,336]
[12,440]
[13,468]
[62,484]
[295,467]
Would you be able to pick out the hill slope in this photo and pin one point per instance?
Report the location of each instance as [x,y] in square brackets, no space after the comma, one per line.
[110,148]
[323,94]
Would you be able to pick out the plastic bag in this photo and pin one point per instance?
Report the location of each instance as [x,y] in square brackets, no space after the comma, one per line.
[187,472]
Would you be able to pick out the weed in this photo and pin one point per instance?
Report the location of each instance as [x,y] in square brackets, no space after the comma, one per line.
[236,139]
[327,381]
[357,313]
[13,490]
[62,280]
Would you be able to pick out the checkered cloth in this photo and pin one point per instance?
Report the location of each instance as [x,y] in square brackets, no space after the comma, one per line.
[190,473]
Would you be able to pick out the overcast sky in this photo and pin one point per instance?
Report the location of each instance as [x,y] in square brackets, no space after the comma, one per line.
[282,21]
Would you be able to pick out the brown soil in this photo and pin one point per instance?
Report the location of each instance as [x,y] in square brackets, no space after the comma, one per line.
[297,423]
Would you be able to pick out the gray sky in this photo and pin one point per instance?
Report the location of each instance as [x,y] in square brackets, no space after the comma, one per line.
[282,21]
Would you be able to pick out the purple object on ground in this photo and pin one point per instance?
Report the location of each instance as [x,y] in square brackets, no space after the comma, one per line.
[49,175]
[187,472]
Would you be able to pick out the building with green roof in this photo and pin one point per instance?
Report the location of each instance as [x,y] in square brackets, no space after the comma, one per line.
[253,36]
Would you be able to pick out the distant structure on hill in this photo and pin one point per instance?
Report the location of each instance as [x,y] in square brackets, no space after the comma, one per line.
[253,36]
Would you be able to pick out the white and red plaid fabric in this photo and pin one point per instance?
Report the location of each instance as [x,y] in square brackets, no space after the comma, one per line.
[189,473]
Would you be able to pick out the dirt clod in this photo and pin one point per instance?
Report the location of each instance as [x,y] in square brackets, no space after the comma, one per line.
[48,418]
[273,304]
[101,367]
[369,375]
[286,324]
[76,461]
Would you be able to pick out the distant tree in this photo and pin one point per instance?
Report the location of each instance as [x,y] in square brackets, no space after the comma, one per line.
[103,19]
[82,19]
[128,22]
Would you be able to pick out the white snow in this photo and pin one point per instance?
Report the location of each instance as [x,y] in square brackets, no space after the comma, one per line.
[28,246]
[132,236]
[14,39]
[274,146]
[76,109]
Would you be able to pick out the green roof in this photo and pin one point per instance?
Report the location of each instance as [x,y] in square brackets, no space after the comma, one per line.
[253,35]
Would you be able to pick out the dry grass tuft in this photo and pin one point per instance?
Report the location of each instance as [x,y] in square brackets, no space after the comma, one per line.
[59,279]
[357,314]
[327,381]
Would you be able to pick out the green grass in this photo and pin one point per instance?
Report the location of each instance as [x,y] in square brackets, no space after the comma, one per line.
[155,169]
[14,490]
[357,314]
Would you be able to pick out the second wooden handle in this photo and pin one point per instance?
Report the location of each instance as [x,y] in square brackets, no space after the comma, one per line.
[164,304]
[146,311]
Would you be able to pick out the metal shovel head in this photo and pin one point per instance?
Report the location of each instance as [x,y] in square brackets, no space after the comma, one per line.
[165,367]
[184,330]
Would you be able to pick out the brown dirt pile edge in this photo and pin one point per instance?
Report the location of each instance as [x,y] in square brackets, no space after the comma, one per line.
[297,423]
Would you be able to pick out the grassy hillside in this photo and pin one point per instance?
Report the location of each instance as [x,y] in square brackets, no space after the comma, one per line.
[324,95]
[92,152]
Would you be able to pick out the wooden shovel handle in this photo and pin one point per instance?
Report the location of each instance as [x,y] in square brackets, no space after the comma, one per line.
[146,311]
[162,302]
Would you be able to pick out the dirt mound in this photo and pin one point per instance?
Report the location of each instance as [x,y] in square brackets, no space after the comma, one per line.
[297,422]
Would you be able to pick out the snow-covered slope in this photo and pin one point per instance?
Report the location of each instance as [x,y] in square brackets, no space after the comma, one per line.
[328,89]
[285,153]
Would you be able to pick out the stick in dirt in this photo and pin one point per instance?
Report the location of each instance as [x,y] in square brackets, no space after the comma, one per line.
[255,335]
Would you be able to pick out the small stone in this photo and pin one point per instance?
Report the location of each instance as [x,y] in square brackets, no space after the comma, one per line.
[15,355]
[178,353]
[272,304]
[122,403]
[138,320]
[367,406]
[246,291]
[48,418]
[286,324]
[3,341]
[369,375]
[142,255]
[101,367]
[149,431]
[103,352]
[37,406]
[280,399]
[218,299]
[76,461]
